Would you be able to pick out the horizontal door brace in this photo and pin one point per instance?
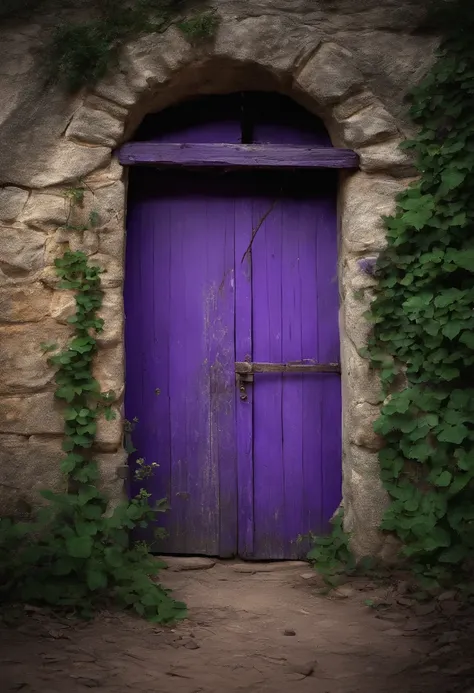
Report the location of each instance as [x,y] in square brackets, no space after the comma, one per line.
[249,368]
[236,156]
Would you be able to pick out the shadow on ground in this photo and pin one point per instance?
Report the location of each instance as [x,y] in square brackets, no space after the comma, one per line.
[252,627]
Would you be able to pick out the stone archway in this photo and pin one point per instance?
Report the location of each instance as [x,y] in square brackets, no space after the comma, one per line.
[155,72]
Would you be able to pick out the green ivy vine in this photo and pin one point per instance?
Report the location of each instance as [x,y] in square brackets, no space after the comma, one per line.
[422,341]
[77,552]
[423,327]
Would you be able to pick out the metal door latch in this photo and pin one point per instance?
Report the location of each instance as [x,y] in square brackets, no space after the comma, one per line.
[244,371]
[243,376]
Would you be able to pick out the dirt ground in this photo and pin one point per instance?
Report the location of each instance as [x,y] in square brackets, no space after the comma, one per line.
[251,627]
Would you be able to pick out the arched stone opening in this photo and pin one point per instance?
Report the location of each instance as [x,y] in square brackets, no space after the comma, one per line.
[156,72]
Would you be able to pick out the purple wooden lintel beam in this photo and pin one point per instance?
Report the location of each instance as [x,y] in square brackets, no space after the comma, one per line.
[235,156]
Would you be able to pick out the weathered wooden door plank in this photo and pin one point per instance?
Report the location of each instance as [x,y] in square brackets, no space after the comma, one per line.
[235,156]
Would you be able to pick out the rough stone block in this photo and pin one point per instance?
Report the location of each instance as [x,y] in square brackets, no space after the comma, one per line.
[105,176]
[183,563]
[368,126]
[366,198]
[63,305]
[86,242]
[359,376]
[65,162]
[96,103]
[368,503]
[111,481]
[33,414]
[45,211]
[353,104]
[112,240]
[271,41]
[115,88]
[106,199]
[23,365]
[95,127]
[150,60]
[386,158]
[21,253]
[331,75]
[356,327]
[112,315]
[355,275]
[27,466]
[109,370]
[109,433]
[25,303]
[113,270]
[12,201]
[359,420]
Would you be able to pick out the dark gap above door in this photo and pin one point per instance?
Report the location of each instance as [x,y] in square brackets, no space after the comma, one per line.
[242,117]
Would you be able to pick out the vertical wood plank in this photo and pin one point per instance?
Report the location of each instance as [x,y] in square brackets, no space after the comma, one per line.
[312,403]
[328,346]
[294,245]
[144,364]
[268,406]
[244,351]
[220,325]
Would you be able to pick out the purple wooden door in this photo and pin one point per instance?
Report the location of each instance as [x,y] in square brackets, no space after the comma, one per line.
[223,268]
[242,476]
[289,430]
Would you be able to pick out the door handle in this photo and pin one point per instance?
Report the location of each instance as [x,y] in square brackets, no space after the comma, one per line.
[245,370]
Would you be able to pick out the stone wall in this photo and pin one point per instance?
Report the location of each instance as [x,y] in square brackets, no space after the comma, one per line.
[351,63]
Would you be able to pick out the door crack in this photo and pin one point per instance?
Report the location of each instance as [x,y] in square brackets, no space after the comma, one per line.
[257,228]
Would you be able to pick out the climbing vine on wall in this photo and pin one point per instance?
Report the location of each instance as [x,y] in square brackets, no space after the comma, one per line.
[423,318]
[422,341]
[83,49]
[77,553]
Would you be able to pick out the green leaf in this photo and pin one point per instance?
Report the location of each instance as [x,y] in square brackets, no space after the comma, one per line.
[455,554]
[114,557]
[437,539]
[86,528]
[110,414]
[467,338]
[459,219]
[453,434]
[69,463]
[459,483]
[448,297]
[92,512]
[66,392]
[452,329]
[461,258]
[443,479]
[79,547]
[96,579]
[448,372]
[450,179]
